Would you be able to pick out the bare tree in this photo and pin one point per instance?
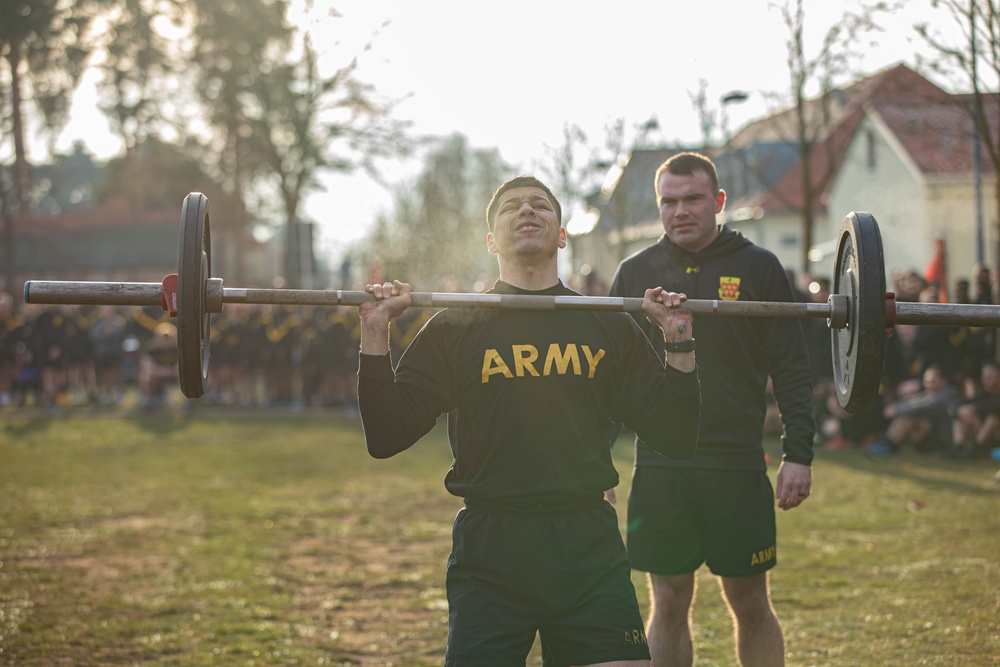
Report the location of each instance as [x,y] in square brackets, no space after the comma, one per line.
[579,171]
[973,60]
[136,59]
[446,200]
[814,80]
[234,44]
[136,67]
[43,43]
[278,119]
[576,167]
[571,174]
[303,122]
[708,117]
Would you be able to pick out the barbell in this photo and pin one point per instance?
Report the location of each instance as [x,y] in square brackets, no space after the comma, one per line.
[859,312]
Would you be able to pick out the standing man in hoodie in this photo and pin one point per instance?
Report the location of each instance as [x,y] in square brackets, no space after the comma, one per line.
[717,507]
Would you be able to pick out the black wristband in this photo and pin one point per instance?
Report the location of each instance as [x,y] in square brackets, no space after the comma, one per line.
[681,346]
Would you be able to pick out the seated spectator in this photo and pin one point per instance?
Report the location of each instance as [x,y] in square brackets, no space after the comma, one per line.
[106,336]
[923,420]
[960,292]
[844,430]
[976,426]
[29,355]
[971,345]
[908,284]
[158,366]
[905,362]
[9,322]
[982,285]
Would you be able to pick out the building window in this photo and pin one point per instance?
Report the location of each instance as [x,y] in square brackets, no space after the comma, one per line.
[946,144]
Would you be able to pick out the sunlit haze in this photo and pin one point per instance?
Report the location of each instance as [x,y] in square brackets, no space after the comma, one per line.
[510,75]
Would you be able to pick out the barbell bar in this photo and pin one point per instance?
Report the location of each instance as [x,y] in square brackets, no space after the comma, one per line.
[856,312]
[83,293]
[150,294]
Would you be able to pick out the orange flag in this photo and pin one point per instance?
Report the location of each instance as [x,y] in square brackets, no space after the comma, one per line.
[937,271]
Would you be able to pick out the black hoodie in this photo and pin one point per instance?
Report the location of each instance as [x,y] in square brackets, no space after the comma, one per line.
[735,354]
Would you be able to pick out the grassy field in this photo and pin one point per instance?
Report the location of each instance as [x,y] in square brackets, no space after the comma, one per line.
[274,540]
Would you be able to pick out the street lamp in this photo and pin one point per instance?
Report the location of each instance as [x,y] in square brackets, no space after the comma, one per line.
[726,159]
[732,97]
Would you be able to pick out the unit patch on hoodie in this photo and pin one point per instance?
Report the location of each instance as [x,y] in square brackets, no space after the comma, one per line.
[729,288]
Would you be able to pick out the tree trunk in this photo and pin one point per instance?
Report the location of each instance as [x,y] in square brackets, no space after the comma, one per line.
[239,234]
[994,153]
[996,201]
[807,210]
[8,239]
[292,268]
[621,211]
[22,175]
[805,151]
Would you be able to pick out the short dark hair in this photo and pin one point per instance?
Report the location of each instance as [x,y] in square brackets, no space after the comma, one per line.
[520,182]
[685,164]
[939,370]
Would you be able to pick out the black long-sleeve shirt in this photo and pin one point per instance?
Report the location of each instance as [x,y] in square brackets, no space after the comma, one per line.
[735,354]
[536,396]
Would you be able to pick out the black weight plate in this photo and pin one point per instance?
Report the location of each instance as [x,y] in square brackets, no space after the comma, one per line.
[859,347]
[193,318]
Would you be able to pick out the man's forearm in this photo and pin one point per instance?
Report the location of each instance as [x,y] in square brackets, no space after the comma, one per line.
[682,361]
[374,336]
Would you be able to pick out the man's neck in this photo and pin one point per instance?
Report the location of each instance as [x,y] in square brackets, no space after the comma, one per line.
[531,278]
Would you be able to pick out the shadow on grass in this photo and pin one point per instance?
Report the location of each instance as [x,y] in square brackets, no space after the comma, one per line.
[27,427]
[162,424]
[927,469]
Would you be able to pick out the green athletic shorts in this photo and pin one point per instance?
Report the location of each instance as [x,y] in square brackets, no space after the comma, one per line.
[680,518]
[563,574]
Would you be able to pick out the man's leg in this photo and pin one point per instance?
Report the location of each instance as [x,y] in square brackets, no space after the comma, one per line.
[965,425]
[759,642]
[988,431]
[899,430]
[668,630]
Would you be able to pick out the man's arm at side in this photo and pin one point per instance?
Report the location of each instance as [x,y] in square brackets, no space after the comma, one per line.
[387,431]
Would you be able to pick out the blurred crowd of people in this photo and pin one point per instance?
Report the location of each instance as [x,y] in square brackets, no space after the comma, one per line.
[301,356]
[940,384]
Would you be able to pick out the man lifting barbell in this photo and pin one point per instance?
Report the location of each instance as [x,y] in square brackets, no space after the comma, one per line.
[535,397]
